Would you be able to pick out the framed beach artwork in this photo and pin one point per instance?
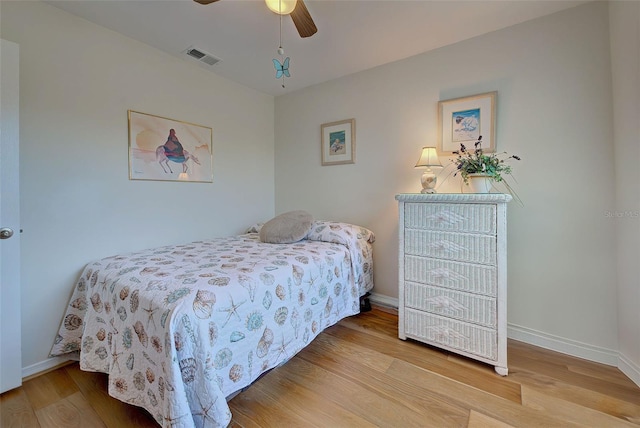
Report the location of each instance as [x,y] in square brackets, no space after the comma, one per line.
[339,142]
[168,149]
[464,120]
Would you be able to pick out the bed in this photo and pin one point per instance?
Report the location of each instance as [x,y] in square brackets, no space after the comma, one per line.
[180,329]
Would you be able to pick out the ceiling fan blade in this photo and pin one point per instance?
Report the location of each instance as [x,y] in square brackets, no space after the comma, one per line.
[303,21]
[205,1]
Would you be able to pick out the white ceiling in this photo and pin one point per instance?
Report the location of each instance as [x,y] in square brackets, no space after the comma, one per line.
[352,35]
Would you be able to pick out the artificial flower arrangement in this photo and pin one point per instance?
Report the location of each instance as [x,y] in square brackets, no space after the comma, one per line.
[475,161]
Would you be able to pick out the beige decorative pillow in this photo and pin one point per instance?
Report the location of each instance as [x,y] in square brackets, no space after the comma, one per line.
[287,228]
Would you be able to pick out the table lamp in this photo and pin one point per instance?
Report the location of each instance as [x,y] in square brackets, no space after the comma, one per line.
[428,158]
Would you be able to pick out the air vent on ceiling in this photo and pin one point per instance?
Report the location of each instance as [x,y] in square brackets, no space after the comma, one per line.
[201,56]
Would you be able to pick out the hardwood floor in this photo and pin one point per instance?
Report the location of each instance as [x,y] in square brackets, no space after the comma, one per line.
[359,374]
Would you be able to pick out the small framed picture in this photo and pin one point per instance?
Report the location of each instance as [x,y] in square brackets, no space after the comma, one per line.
[464,120]
[339,142]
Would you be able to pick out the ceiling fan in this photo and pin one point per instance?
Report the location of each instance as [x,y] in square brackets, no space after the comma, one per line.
[296,8]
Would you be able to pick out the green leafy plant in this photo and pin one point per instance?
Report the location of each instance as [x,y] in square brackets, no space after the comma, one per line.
[476,161]
[493,165]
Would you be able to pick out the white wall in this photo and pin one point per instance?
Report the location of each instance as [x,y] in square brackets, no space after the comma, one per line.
[77,81]
[624,18]
[553,79]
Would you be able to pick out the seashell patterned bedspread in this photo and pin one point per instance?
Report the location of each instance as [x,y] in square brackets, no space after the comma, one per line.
[180,328]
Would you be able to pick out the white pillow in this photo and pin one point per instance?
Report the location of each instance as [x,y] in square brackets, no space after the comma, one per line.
[287,228]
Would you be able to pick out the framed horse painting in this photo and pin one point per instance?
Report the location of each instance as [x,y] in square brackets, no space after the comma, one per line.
[169,150]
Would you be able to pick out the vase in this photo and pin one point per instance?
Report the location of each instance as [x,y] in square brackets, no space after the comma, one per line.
[480,183]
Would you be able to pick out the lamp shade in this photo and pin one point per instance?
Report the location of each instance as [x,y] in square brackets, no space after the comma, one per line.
[281,7]
[428,157]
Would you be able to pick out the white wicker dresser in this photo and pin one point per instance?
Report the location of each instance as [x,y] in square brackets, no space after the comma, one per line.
[453,273]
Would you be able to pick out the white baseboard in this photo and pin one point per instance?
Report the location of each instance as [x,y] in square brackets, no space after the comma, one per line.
[45,365]
[380,299]
[563,345]
[631,370]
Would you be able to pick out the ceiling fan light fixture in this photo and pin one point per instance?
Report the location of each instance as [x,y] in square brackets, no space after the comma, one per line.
[281,7]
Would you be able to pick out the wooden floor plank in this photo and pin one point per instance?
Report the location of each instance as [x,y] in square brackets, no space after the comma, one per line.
[343,359]
[49,388]
[603,372]
[16,411]
[468,371]
[358,400]
[382,325]
[308,407]
[572,364]
[71,412]
[114,413]
[588,398]
[568,411]
[465,395]
[556,368]
[335,349]
[359,374]
[87,381]
[480,420]
[253,409]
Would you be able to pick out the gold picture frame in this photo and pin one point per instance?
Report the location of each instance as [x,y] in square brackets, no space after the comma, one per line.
[464,120]
[338,142]
[164,149]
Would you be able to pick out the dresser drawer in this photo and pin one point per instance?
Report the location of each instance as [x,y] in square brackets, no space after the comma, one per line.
[467,307]
[470,218]
[462,247]
[450,333]
[470,277]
